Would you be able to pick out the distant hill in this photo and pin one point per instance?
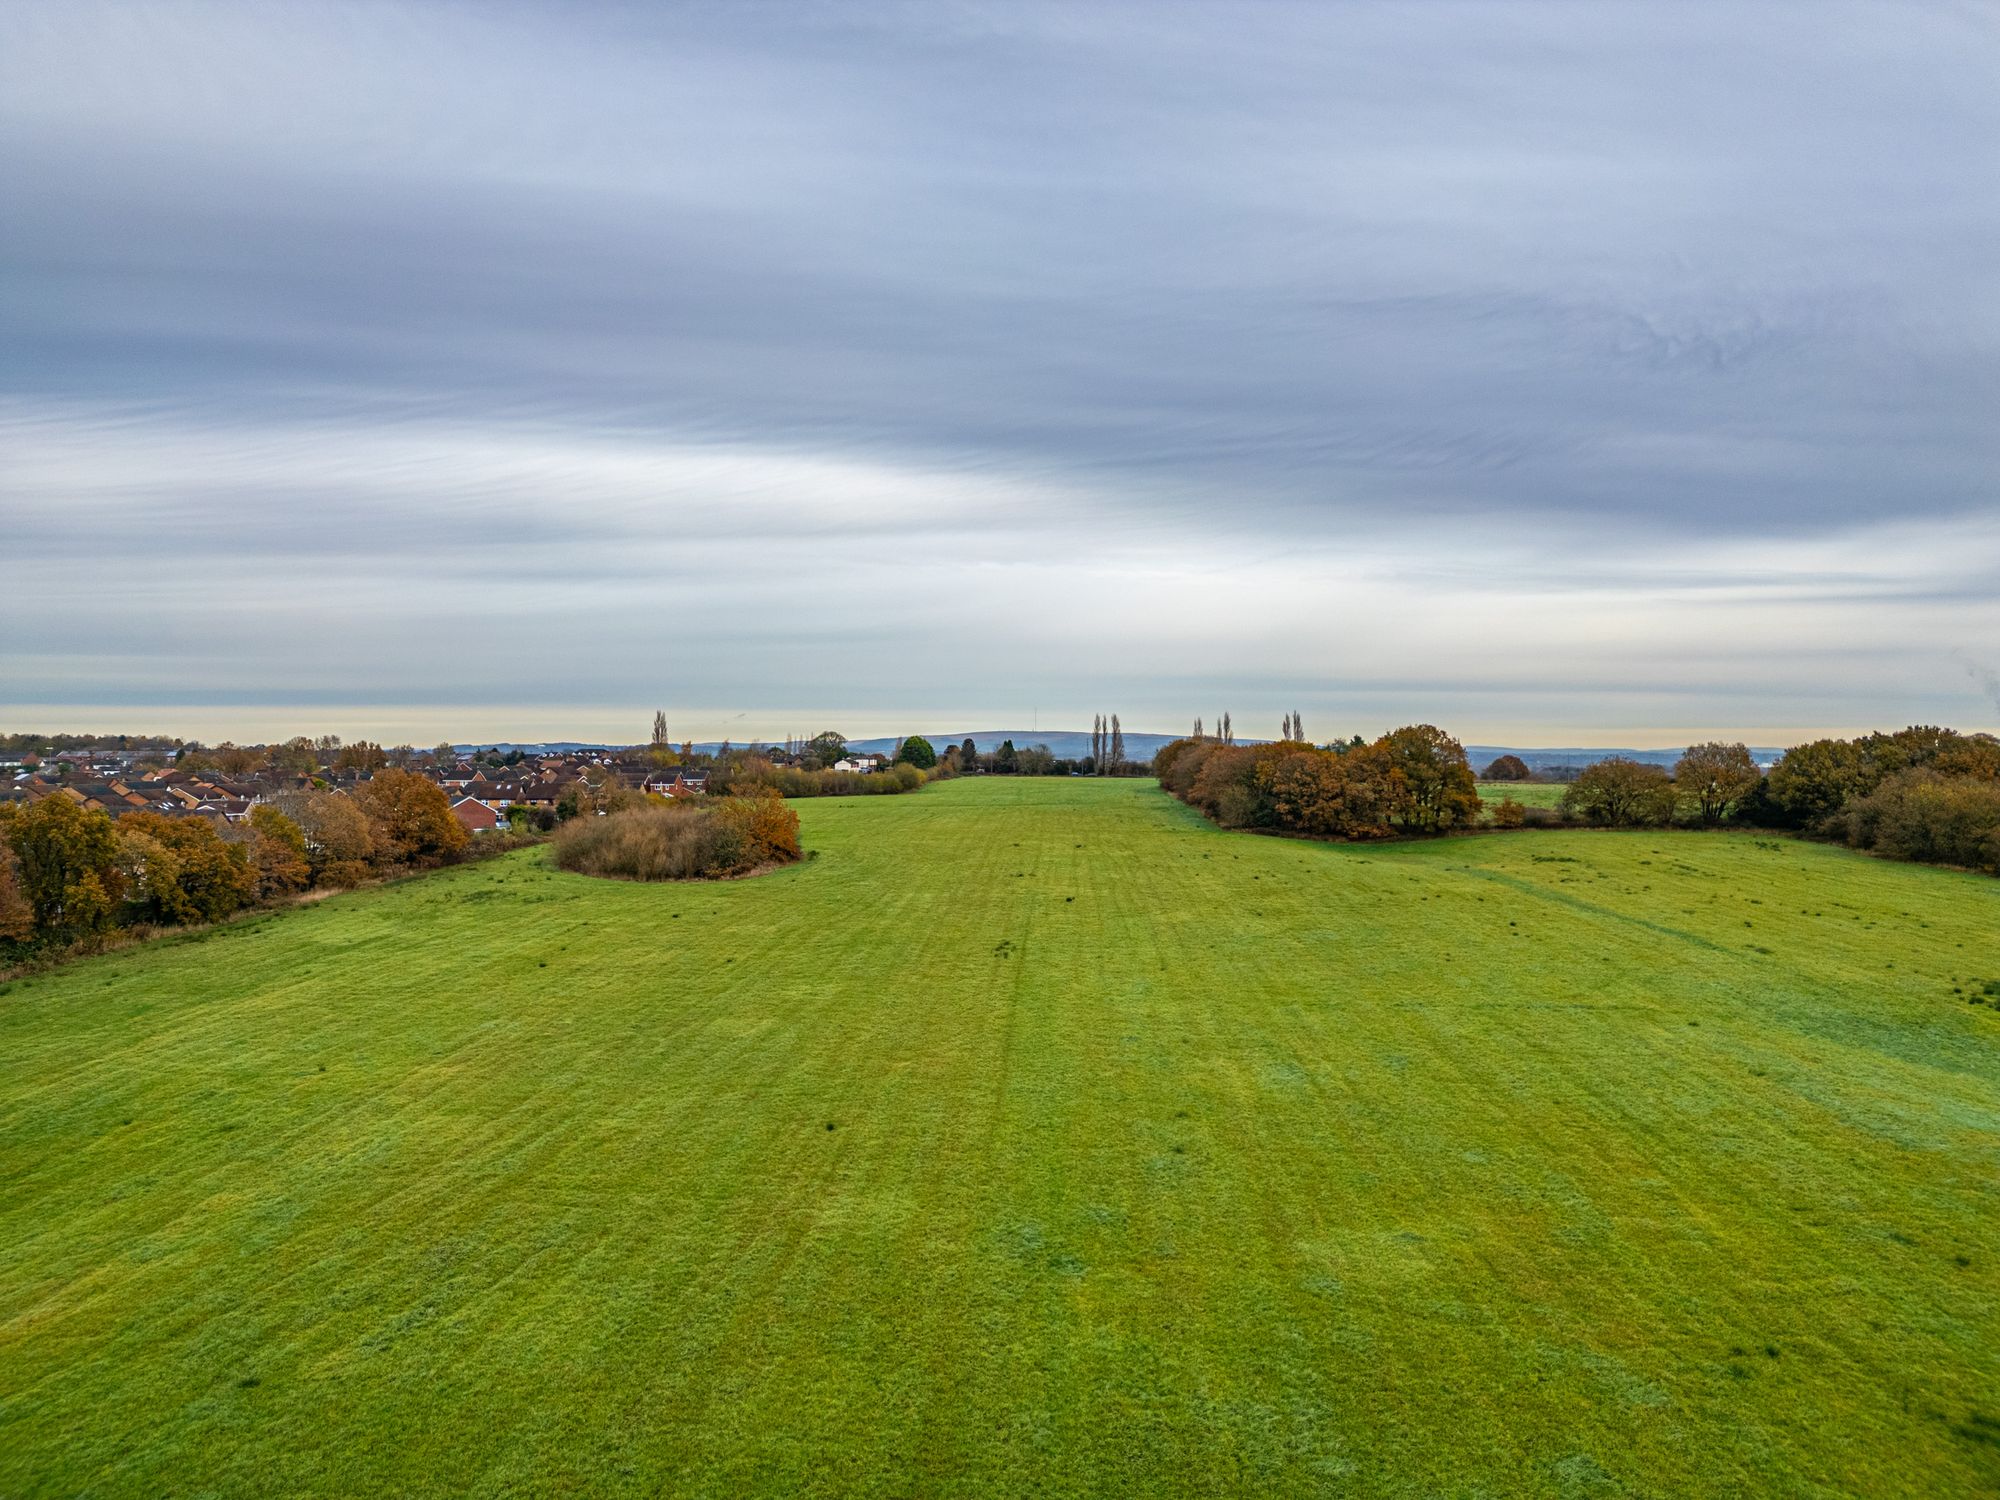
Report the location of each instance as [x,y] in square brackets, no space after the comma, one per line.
[1066,744]
[1584,755]
[1073,744]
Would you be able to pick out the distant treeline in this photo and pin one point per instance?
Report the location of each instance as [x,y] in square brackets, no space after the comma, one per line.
[1008,759]
[1921,793]
[55,744]
[812,772]
[746,774]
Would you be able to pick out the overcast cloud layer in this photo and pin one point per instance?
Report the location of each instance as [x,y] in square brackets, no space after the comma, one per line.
[1551,372]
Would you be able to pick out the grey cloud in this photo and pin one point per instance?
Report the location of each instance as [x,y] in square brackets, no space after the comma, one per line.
[1260,283]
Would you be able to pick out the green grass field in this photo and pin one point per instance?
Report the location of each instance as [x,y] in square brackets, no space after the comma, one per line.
[1034,1139]
[1527,793]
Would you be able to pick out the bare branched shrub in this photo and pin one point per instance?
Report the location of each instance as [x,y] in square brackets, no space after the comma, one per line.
[679,842]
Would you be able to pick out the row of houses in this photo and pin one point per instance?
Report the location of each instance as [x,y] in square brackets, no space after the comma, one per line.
[172,793]
[113,781]
[481,795]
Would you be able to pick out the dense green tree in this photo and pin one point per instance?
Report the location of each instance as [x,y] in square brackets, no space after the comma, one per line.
[181,869]
[1813,781]
[68,859]
[17,918]
[524,817]
[824,750]
[1922,814]
[917,751]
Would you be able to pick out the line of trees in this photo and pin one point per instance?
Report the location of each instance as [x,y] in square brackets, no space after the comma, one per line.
[1107,747]
[1107,757]
[1921,793]
[1413,780]
[809,769]
[1708,783]
[750,775]
[71,875]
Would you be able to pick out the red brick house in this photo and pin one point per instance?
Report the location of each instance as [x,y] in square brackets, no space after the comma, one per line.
[474,815]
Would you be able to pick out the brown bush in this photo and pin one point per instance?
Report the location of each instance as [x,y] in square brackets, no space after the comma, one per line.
[411,819]
[1224,786]
[1340,795]
[681,842]
[768,828]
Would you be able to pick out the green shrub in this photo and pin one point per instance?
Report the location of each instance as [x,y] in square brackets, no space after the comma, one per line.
[1621,793]
[1920,815]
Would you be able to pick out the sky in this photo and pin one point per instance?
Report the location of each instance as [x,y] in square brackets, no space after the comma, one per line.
[1557,373]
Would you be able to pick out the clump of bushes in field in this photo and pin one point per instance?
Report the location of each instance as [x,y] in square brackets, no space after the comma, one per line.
[1921,793]
[682,841]
[1413,780]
